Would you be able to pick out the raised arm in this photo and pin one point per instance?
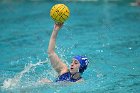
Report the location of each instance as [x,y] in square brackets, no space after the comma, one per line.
[56,62]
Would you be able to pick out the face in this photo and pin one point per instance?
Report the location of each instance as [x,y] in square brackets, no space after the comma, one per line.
[74,66]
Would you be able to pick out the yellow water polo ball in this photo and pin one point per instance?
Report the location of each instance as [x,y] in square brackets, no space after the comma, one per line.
[59,13]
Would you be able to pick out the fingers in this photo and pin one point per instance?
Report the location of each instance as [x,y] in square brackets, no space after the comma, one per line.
[59,24]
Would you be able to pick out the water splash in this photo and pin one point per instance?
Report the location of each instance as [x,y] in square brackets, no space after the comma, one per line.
[13,82]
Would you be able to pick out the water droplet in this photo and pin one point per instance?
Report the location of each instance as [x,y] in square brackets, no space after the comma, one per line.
[133,68]
[130,48]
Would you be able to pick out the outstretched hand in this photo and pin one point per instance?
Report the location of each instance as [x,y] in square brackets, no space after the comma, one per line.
[57,26]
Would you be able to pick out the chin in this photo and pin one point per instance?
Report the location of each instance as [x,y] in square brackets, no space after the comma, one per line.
[71,71]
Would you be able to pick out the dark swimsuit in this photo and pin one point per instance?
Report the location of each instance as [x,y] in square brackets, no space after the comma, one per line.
[67,77]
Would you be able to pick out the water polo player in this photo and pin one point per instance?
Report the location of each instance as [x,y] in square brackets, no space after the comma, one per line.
[59,14]
[78,65]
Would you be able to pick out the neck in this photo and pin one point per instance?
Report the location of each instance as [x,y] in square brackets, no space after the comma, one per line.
[76,75]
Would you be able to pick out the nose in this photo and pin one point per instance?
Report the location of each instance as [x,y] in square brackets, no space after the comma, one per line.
[71,64]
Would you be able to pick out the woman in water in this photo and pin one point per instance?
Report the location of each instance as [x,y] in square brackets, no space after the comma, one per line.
[78,65]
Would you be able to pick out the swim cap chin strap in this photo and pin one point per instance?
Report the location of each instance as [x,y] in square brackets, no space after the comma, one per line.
[83,63]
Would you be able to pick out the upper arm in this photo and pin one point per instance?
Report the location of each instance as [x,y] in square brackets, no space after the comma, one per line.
[57,63]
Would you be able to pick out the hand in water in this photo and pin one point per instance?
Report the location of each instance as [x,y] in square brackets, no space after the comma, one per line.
[57,26]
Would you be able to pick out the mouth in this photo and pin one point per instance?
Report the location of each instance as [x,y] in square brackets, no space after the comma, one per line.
[71,68]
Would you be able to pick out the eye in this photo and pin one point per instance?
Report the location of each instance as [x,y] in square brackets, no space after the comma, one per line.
[76,63]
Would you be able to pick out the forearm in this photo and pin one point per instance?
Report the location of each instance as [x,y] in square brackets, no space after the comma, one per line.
[52,42]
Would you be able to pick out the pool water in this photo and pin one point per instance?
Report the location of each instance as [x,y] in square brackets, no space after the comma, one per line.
[106,32]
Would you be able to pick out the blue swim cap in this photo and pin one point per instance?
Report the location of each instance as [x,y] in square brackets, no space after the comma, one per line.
[83,63]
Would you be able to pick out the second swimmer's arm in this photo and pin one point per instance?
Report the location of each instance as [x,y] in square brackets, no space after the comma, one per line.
[56,62]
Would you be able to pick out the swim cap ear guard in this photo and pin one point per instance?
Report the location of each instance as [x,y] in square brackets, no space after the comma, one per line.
[83,63]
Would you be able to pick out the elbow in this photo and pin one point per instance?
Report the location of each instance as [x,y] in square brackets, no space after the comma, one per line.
[50,52]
